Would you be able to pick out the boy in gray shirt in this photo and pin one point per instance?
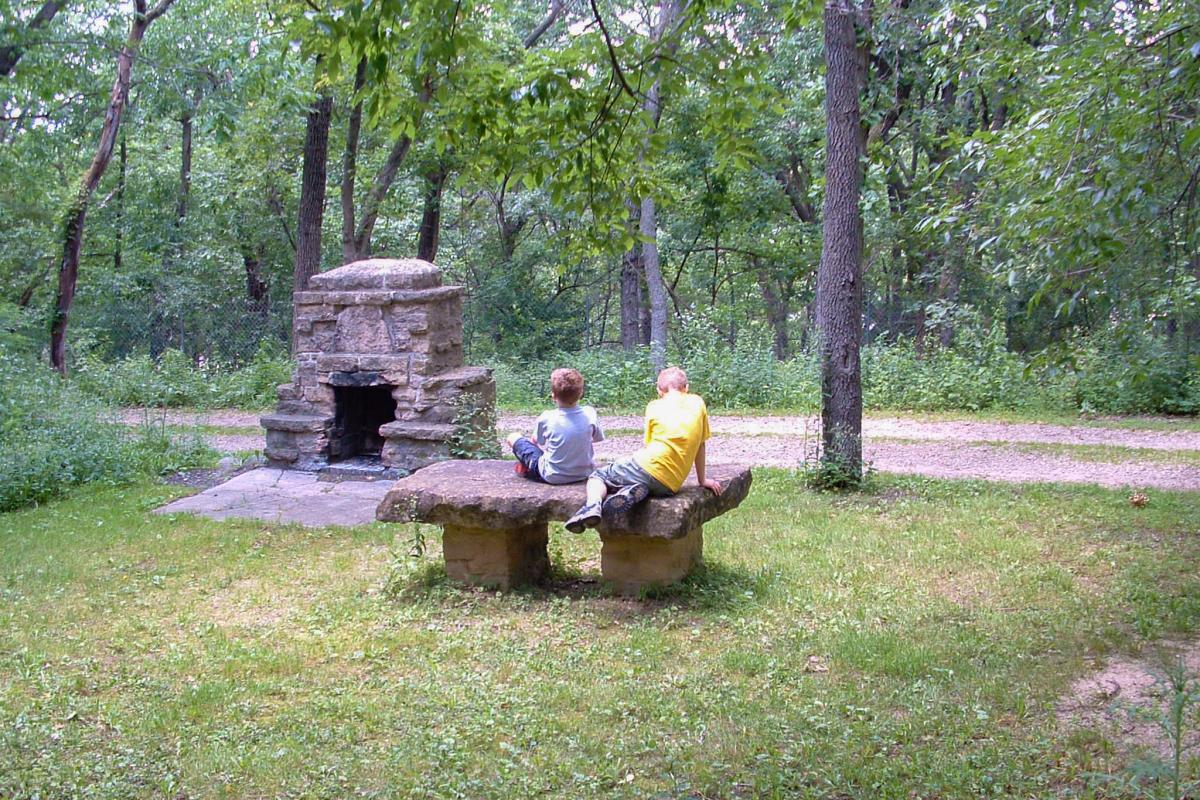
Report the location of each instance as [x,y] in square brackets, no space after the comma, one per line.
[561,448]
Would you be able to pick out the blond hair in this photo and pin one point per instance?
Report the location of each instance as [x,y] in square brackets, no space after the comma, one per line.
[672,378]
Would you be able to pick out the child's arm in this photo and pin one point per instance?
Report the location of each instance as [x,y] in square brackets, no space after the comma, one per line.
[711,485]
[597,431]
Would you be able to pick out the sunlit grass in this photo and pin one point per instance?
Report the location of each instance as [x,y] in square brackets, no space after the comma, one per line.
[908,641]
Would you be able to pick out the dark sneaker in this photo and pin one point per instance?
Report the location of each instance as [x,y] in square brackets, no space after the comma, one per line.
[625,498]
[586,517]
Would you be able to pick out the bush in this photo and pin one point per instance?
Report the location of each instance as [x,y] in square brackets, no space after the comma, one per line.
[174,380]
[978,373]
[56,438]
[1129,373]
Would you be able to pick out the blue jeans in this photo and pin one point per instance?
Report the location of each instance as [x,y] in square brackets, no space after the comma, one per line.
[528,453]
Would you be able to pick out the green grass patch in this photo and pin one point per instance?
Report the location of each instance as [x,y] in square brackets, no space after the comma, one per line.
[908,641]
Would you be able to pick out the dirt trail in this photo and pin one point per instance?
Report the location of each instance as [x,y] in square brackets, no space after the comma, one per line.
[926,430]
[942,449]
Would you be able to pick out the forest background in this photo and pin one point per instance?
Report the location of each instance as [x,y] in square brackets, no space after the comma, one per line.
[616,183]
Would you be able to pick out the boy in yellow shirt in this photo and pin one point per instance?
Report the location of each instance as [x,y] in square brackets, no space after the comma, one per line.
[676,429]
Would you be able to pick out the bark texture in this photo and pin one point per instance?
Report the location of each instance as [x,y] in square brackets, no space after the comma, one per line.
[839,278]
[631,295]
[350,166]
[72,238]
[431,215]
[312,193]
[776,299]
[656,290]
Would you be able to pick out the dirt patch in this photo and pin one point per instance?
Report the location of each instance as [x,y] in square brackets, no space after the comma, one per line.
[259,603]
[243,604]
[1127,697]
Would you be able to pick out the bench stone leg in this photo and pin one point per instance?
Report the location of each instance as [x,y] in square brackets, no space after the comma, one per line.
[631,563]
[499,558]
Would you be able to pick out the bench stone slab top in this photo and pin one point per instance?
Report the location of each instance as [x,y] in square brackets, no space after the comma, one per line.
[489,495]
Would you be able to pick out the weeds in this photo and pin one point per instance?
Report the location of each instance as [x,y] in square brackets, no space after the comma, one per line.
[1152,776]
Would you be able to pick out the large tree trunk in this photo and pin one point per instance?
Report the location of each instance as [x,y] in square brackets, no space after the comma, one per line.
[431,214]
[350,167]
[68,271]
[10,54]
[839,278]
[312,193]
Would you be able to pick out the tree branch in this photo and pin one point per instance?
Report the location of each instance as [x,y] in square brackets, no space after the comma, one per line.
[552,15]
[612,52]
[10,54]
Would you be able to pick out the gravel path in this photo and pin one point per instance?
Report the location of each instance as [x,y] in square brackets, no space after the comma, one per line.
[941,449]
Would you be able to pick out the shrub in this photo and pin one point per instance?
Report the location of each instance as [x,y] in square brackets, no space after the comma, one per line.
[978,373]
[1119,372]
[175,380]
[56,438]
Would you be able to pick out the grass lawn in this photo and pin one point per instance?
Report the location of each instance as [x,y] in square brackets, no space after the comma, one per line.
[911,641]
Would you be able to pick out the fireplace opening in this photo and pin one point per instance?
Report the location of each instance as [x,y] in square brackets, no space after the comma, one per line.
[358,413]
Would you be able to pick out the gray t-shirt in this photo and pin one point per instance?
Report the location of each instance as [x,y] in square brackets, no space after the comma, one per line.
[565,436]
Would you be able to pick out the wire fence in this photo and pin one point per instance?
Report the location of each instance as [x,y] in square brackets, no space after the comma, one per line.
[214,329]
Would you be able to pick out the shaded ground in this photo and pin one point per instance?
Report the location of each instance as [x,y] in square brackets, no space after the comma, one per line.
[999,451]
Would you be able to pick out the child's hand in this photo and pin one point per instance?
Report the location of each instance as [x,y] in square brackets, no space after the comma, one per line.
[712,486]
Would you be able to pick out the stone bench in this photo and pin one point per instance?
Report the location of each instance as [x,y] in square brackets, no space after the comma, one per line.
[495,523]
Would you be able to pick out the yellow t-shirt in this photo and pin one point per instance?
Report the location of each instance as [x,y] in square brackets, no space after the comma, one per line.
[676,426]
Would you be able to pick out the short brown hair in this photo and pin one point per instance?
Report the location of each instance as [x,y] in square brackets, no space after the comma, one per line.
[566,385]
[672,378]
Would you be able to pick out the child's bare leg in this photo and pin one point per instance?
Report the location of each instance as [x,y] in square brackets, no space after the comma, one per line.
[512,438]
[597,490]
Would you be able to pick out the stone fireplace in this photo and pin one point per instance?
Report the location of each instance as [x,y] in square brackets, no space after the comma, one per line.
[380,385]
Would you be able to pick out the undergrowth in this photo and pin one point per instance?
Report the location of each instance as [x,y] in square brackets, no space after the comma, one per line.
[55,437]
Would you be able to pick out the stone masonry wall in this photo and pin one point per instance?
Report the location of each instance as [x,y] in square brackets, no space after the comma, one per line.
[379,322]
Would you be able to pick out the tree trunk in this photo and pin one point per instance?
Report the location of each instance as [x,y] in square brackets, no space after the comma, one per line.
[185,167]
[312,193]
[643,312]
[119,243]
[258,297]
[948,283]
[655,287]
[68,271]
[839,278]
[379,189]
[777,313]
[350,167]
[431,215]
[631,294]
[656,290]
[10,54]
